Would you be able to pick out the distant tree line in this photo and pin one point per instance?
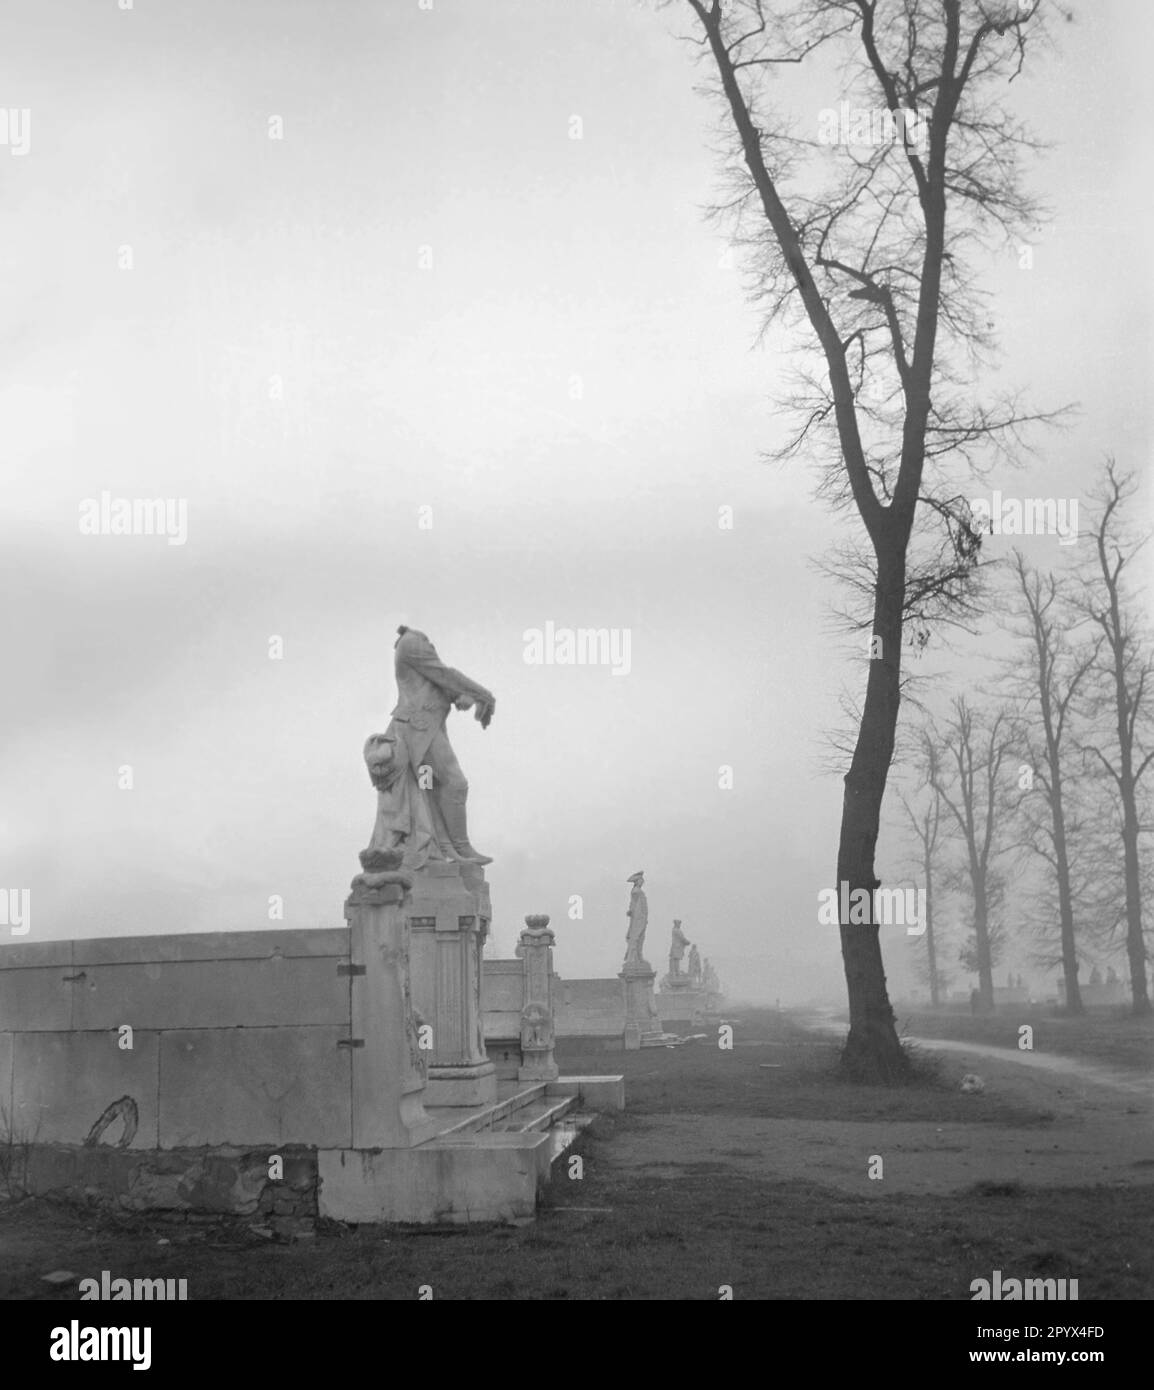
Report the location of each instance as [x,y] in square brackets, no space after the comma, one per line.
[1036,779]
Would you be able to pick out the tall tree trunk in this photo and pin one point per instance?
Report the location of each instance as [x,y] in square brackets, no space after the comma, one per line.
[872,1050]
[982,939]
[1074,1003]
[931,950]
[1128,793]
[1135,941]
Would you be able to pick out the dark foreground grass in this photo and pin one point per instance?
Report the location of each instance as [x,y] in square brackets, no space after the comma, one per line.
[614,1236]
[623,1233]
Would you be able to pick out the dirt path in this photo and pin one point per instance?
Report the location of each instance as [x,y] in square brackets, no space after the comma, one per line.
[1088,1074]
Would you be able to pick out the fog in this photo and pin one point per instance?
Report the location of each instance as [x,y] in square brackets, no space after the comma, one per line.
[428,359]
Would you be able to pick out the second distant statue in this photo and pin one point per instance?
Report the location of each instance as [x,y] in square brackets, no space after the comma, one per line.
[677,947]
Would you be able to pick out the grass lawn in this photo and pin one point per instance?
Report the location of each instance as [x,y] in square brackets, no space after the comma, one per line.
[1107,1036]
[624,1232]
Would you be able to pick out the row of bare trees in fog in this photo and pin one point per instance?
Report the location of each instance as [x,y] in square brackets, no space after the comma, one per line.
[1029,813]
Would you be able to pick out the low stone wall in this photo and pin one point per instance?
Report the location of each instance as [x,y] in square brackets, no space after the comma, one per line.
[581,1008]
[589,1008]
[502,998]
[269,1011]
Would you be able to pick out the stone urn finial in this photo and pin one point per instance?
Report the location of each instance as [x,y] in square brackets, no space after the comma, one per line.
[537,931]
[380,861]
[382,879]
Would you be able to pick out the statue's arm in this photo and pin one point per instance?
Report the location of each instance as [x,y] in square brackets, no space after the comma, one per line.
[463,691]
[455,683]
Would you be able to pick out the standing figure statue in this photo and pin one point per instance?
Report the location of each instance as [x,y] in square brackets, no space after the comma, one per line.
[421,790]
[676,949]
[694,965]
[638,914]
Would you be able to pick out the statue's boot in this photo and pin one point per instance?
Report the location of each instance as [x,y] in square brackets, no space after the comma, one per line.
[453,810]
[467,852]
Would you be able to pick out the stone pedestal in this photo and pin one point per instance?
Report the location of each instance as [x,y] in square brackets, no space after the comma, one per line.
[388,1067]
[537,1029]
[641,1021]
[681,1004]
[448,916]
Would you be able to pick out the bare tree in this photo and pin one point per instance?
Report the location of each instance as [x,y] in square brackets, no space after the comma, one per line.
[1045,692]
[969,777]
[875,263]
[1124,667]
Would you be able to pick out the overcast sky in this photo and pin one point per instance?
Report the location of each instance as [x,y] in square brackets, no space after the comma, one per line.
[538,337]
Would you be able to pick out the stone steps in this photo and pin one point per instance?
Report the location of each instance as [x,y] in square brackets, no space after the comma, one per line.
[455,1121]
[488,1163]
[539,1114]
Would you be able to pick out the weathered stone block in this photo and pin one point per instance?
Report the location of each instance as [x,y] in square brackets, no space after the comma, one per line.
[241,1086]
[27,954]
[494,1178]
[237,993]
[36,999]
[589,1008]
[198,1182]
[62,1083]
[210,946]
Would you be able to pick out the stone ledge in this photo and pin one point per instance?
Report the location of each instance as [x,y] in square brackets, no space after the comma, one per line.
[481,1178]
[594,1092]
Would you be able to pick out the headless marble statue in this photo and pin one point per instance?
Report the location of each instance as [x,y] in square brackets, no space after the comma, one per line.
[421,790]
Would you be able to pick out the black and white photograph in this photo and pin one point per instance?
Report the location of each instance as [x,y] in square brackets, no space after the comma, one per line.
[578,701]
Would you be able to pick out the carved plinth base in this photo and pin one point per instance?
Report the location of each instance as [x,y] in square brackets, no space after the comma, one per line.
[448,916]
[388,1069]
[462,1085]
[538,1067]
[641,1020]
[671,983]
[686,1006]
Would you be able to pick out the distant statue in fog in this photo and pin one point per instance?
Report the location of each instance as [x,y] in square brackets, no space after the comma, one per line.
[677,948]
[638,914]
[694,965]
